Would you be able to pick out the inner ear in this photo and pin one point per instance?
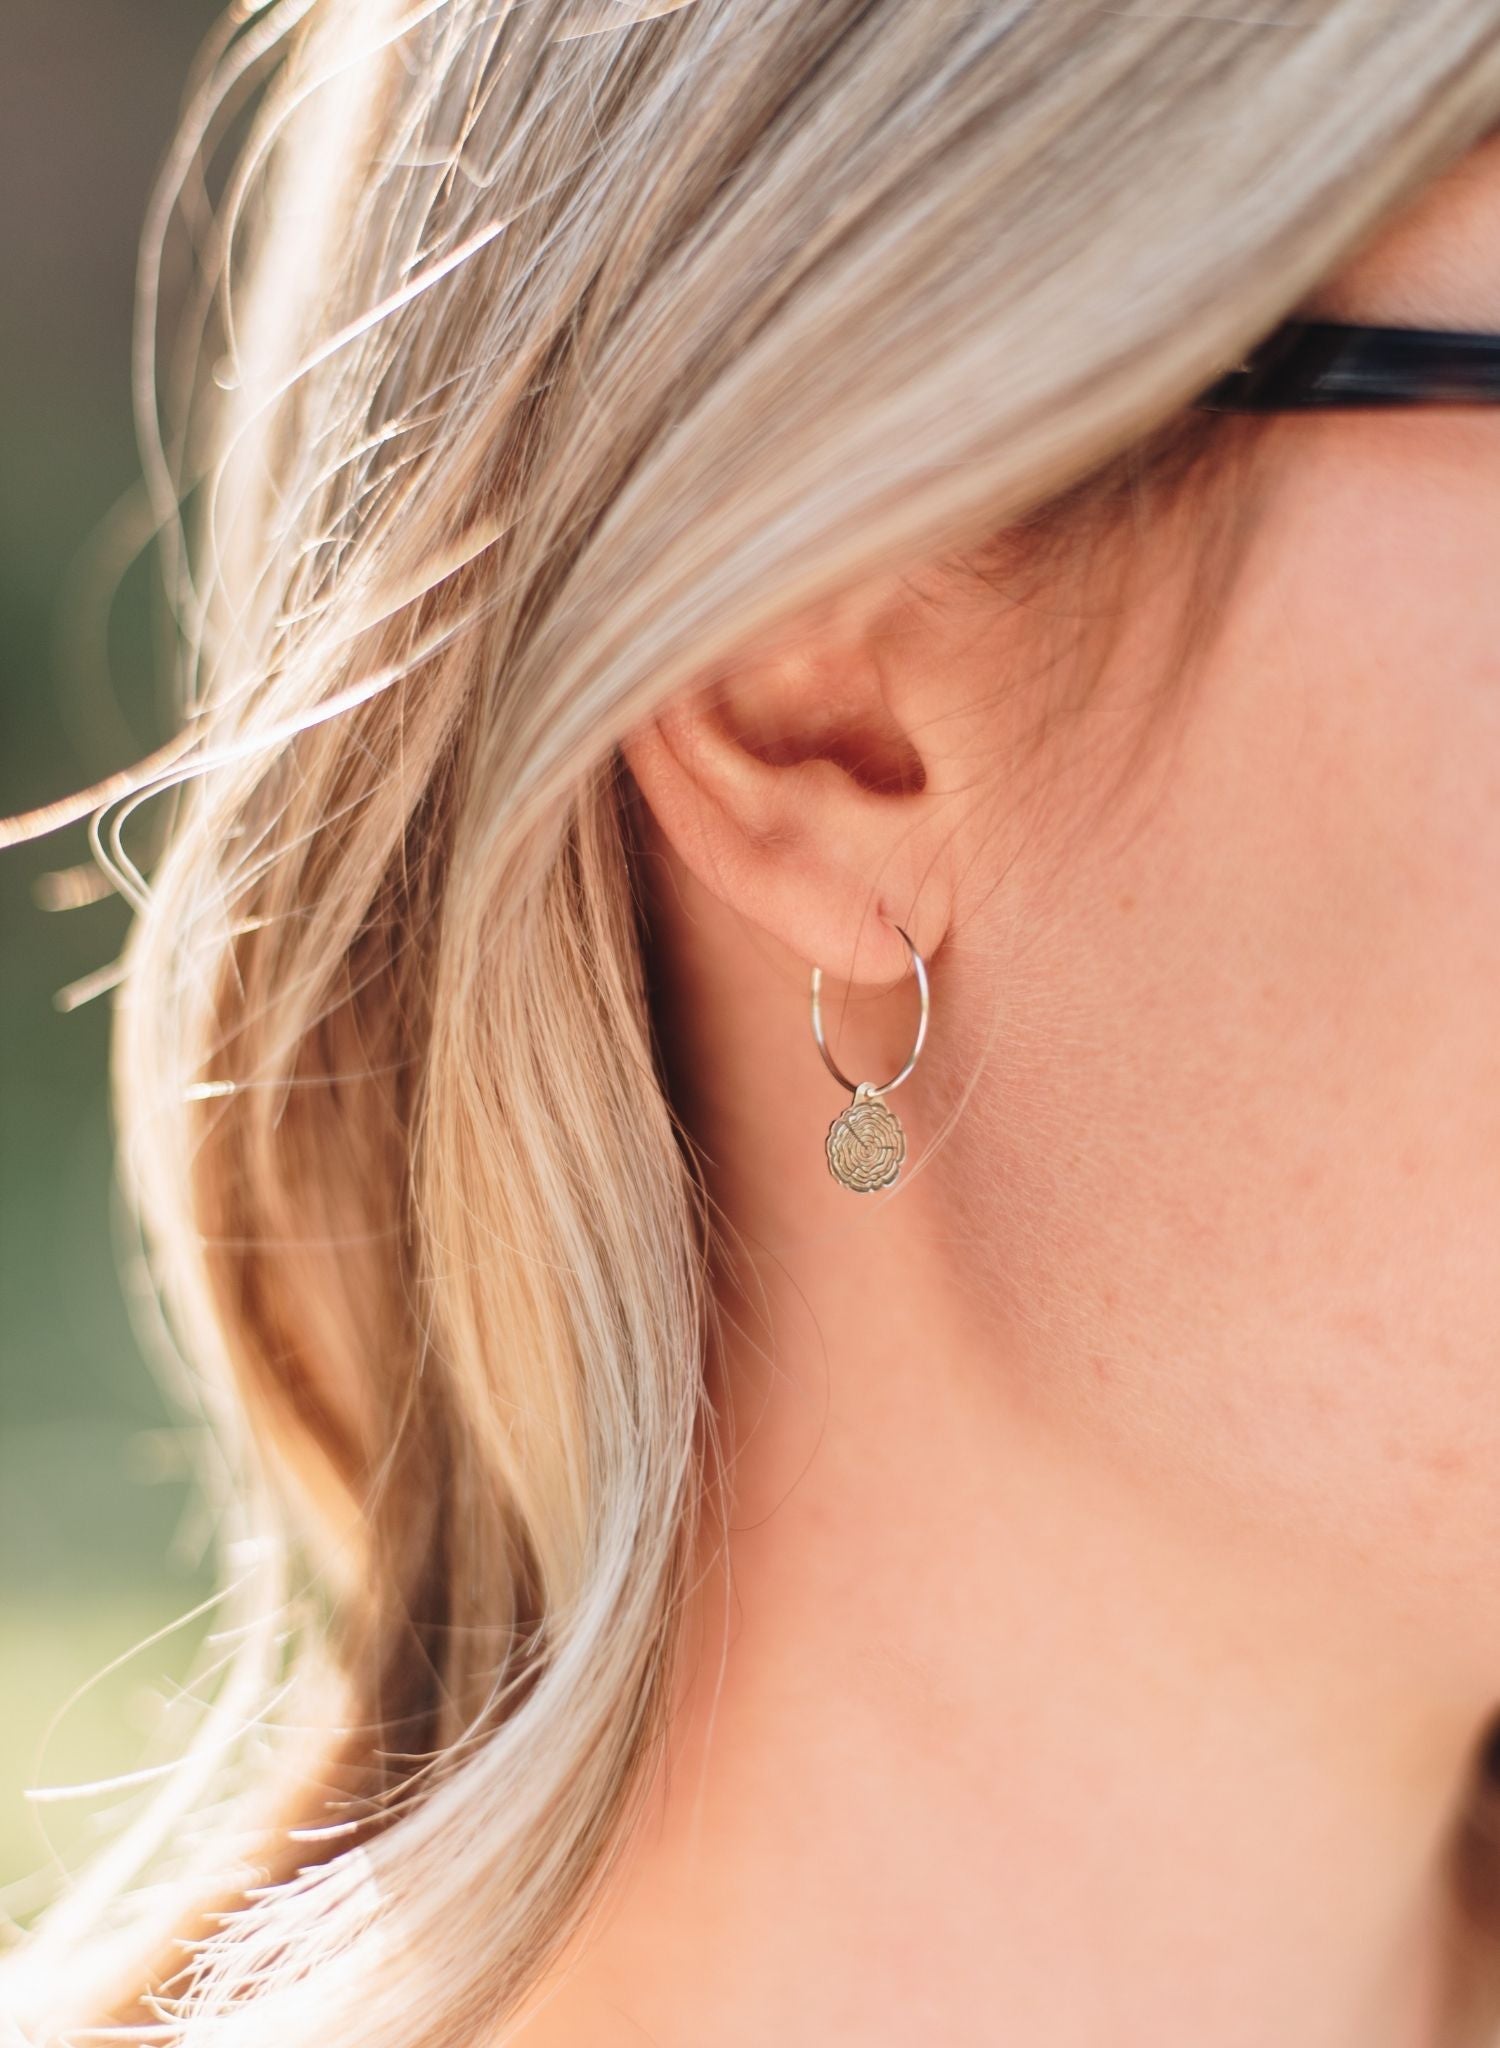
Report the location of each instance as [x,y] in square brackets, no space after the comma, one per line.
[827,724]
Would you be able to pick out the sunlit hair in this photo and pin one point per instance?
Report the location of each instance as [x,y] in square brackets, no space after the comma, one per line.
[544,352]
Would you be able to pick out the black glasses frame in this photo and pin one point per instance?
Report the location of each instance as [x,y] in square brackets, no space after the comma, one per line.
[1322,365]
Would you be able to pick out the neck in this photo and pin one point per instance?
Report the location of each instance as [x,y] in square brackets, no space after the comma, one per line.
[983,1733]
[966,1734]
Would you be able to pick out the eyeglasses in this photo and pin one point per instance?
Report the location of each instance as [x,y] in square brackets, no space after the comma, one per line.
[1318,365]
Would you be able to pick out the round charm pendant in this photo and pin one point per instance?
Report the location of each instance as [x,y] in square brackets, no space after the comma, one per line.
[865,1145]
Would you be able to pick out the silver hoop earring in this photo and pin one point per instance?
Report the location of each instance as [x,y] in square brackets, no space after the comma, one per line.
[866,1144]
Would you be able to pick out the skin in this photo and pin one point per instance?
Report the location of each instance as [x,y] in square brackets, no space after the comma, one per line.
[1110,1614]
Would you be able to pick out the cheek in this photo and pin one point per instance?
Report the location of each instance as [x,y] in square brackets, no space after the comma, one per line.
[1336,848]
[1247,1090]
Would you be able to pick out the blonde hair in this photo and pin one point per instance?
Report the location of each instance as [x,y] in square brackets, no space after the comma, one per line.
[543,354]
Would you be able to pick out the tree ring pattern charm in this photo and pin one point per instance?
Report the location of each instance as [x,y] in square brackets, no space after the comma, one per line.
[866,1144]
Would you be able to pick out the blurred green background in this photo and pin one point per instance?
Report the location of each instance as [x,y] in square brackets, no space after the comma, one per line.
[100,1542]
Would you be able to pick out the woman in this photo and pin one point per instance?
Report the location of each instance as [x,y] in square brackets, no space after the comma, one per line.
[673,503]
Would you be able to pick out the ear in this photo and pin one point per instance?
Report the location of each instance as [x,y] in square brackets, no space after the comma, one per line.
[797,789]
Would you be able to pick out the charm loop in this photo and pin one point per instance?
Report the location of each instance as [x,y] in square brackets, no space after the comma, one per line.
[866,1144]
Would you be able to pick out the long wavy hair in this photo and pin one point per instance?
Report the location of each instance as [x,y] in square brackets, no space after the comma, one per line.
[541,351]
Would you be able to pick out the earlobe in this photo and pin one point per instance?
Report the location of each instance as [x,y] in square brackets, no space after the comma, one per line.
[792,794]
